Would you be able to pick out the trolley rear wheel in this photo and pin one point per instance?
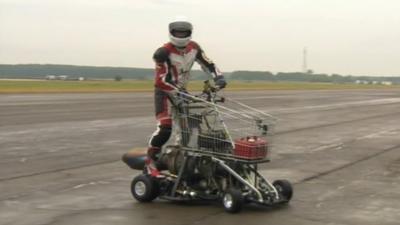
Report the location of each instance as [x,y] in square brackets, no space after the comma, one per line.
[144,188]
[233,200]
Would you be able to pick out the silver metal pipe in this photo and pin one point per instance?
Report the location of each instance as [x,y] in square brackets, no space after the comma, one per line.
[272,187]
[237,176]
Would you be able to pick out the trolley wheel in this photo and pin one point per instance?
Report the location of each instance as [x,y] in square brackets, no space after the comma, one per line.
[144,188]
[284,188]
[233,200]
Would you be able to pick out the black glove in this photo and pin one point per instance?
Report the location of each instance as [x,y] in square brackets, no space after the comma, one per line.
[220,82]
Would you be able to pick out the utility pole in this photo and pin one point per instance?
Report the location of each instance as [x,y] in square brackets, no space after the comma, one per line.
[305,68]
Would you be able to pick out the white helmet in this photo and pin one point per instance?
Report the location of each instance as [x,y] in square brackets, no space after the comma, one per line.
[180,32]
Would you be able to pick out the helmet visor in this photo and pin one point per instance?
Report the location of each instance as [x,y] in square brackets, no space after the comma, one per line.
[181,33]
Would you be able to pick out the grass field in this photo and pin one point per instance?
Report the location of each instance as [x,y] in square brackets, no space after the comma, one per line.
[43,86]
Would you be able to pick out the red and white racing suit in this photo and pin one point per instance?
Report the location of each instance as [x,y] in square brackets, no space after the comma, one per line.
[172,73]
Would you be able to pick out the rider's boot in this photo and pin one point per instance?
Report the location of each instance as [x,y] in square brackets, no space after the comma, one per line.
[151,166]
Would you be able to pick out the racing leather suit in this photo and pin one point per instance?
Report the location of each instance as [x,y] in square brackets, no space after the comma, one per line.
[172,74]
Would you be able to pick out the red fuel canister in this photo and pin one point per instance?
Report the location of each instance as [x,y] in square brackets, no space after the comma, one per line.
[251,148]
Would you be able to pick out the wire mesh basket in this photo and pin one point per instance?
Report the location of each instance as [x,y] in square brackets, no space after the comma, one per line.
[224,128]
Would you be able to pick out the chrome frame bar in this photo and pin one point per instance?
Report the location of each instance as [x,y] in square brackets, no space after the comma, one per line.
[238,177]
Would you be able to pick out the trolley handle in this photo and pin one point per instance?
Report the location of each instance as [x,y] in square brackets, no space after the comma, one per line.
[210,92]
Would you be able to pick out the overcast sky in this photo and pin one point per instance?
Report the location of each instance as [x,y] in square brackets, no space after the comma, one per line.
[358,37]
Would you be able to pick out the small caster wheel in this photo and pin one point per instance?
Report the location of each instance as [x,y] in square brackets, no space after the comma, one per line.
[144,188]
[233,200]
[284,189]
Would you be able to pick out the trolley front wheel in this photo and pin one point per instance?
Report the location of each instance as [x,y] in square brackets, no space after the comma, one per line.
[284,189]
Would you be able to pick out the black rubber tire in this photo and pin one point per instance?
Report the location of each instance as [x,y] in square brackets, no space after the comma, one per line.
[284,188]
[144,188]
[232,200]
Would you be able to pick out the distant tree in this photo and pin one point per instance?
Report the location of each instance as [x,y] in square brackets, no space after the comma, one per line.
[118,78]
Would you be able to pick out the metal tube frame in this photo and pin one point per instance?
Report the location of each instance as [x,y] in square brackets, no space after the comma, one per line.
[239,178]
[270,185]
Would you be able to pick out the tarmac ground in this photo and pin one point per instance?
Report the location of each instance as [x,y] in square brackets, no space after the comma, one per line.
[60,159]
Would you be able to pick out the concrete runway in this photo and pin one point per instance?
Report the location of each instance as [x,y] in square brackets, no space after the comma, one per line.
[60,159]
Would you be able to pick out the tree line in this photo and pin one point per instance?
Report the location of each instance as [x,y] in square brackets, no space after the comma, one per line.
[40,71]
[306,77]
